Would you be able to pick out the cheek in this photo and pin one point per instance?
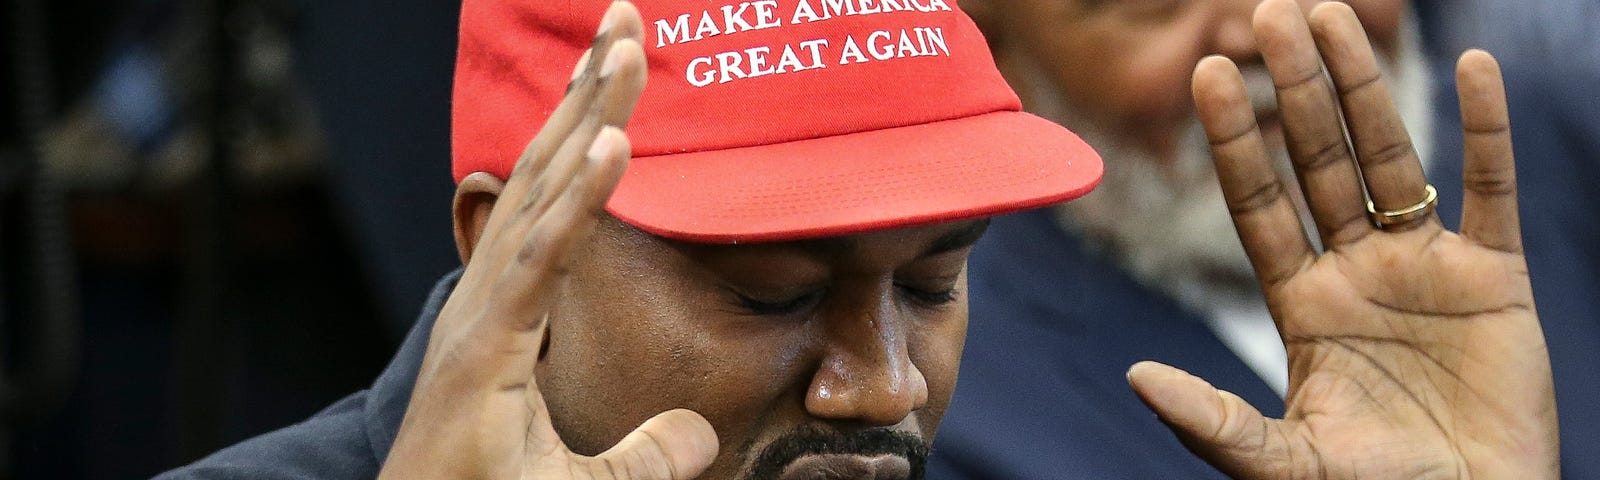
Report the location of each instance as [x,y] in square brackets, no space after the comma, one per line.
[936,351]
[641,349]
[1130,79]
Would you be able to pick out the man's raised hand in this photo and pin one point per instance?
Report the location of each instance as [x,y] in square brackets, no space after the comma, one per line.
[1414,352]
[476,411]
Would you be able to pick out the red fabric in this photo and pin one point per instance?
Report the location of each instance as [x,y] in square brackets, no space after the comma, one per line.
[821,151]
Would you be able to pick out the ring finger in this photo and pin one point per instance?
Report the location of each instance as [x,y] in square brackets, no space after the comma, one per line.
[1389,165]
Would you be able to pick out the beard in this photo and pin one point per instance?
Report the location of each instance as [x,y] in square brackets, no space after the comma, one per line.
[809,440]
[1164,220]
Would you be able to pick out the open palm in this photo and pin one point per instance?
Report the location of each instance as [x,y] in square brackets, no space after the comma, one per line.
[1414,352]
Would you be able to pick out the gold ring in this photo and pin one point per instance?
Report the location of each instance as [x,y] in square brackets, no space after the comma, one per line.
[1404,215]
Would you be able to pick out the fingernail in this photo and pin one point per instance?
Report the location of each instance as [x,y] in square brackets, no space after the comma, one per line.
[600,149]
[613,61]
[607,21]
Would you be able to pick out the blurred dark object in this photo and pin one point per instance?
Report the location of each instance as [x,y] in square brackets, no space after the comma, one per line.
[381,71]
[40,356]
[219,296]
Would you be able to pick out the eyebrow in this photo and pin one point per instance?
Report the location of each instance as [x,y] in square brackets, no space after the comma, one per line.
[953,240]
[958,239]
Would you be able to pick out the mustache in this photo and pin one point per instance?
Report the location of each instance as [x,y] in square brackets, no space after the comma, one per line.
[811,440]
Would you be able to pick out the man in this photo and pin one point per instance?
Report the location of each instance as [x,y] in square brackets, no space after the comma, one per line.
[779,268]
[1148,266]
[1117,73]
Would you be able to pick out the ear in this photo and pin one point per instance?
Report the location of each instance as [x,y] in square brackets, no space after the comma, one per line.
[474,201]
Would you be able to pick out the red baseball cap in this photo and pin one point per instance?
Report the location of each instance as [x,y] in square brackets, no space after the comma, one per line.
[769,120]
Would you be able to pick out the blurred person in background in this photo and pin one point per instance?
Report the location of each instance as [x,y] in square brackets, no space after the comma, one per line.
[1148,266]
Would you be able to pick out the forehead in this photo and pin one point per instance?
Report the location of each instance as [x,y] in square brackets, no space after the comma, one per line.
[908,242]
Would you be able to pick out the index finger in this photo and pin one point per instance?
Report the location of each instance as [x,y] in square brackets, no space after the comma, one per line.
[541,215]
[620,21]
[1268,225]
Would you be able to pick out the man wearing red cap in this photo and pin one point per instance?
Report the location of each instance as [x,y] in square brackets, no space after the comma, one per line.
[777,261]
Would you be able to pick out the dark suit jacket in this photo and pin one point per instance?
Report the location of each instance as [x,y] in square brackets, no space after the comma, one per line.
[1042,393]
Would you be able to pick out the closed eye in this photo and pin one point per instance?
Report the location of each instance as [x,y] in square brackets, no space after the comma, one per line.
[779,307]
[928,298]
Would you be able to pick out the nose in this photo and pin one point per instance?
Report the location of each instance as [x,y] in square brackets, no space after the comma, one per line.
[866,374]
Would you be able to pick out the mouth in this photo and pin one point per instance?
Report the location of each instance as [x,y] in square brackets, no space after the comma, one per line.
[847,467]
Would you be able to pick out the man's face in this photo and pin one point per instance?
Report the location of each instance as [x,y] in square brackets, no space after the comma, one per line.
[1124,64]
[844,345]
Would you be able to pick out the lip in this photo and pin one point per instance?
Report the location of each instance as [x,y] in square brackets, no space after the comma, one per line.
[847,467]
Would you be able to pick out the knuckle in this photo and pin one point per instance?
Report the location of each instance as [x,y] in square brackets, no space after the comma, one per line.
[1258,197]
[1326,154]
[1238,135]
[536,251]
[1390,153]
[1487,128]
[1309,79]
[535,194]
[1360,85]
[1490,182]
[1348,228]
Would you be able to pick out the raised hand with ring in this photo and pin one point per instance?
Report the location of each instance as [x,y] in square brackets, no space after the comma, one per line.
[1414,352]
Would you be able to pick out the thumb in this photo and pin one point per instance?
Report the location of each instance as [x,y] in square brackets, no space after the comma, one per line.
[1218,426]
[673,445]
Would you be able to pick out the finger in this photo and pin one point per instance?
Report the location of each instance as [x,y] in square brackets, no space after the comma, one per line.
[542,264]
[1218,426]
[676,444]
[527,282]
[601,78]
[1312,129]
[620,21]
[1266,219]
[1389,164]
[1489,204]
[540,438]
[622,82]
[545,251]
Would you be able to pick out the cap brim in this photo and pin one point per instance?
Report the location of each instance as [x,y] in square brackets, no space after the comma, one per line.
[965,168]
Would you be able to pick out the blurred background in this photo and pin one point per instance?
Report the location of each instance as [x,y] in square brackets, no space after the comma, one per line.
[218,216]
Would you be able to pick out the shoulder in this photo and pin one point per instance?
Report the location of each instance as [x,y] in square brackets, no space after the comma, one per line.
[331,445]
